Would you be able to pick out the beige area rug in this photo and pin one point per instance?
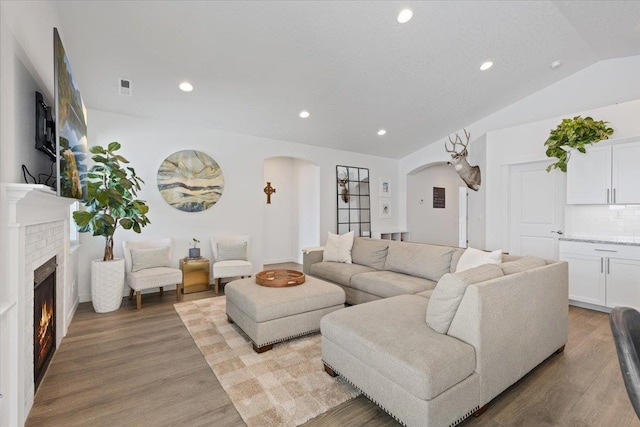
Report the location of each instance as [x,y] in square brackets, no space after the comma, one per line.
[286,386]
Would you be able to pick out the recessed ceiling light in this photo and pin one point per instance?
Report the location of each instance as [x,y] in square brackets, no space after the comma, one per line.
[405,16]
[486,65]
[186,87]
[382,132]
[304,114]
[555,64]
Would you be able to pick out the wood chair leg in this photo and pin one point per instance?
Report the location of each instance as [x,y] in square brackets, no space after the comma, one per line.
[216,285]
[138,300]
[179,291]
[161,290]
[130,294]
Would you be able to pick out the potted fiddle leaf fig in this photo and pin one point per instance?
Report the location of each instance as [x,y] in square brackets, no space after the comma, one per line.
[574,133]
[111,203]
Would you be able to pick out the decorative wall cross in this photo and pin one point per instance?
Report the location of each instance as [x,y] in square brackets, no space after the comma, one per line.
[269,190]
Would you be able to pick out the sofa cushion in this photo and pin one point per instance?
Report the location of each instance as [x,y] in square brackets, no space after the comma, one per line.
[455,257]
[337,272]
[522,264]
[386,284]
[447,295]
[425,294]
[369,252]
[338,247]
[475,257]
[391,337]
[419,260]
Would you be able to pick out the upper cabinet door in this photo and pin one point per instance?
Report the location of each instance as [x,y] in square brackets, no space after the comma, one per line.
[626,173]
[589,177]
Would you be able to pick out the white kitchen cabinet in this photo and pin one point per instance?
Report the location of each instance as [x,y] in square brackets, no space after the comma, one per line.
[626,173]
[606,174]
[603,275]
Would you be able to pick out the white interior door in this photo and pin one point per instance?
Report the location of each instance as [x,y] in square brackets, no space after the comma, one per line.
[537,200]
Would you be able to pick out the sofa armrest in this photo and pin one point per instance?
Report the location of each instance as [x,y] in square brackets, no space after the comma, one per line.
[514,322]
[311,256]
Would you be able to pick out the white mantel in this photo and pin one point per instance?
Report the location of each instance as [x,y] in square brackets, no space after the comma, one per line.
[36,227]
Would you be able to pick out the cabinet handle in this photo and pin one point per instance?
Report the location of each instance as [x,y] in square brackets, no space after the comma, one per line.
[601,265]
[614,195]
[605,250]
[607,196]
[608,267]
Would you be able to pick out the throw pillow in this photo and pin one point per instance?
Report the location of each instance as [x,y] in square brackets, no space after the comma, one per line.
[475,257]
[338,247]
[142,259]
[448,293]
[228,251]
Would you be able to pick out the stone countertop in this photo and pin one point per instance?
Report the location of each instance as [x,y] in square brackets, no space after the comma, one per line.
[598,240]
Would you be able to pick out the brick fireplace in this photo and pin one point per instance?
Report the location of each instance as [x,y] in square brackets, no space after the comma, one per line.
[38,255]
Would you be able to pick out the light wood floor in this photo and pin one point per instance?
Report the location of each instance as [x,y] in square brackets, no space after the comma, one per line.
[141,368]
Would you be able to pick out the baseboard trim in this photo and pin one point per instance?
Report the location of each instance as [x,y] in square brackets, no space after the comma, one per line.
[278,261]
[590,306]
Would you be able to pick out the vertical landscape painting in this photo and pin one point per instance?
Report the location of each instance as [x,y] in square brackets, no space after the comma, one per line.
[71,120]
[190,181]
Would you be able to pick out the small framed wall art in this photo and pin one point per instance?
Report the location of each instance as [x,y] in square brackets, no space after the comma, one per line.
[385,187]
[385,208]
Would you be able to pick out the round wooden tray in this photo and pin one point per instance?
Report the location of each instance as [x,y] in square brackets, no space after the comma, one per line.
[280,278]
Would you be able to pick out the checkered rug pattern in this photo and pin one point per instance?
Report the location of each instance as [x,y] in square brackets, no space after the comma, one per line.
[286,386]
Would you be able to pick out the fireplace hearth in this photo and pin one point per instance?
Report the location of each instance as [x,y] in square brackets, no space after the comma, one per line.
[44,323]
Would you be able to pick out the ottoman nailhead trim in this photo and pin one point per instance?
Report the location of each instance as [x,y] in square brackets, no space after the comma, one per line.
[456,422]
[287,338]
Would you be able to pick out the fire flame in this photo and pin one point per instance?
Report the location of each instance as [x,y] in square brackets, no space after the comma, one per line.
[44,338]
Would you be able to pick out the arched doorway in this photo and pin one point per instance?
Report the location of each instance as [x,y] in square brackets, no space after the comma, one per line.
[292,219]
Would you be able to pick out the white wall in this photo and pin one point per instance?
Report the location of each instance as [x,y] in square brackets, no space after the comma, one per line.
[530,138]
[428,224]
[281,215]
[292,220]
[240,210]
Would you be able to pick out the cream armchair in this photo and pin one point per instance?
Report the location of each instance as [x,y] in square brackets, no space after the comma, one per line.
[231,255]
[148,265]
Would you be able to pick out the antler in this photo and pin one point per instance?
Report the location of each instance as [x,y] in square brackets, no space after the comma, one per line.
[457,141]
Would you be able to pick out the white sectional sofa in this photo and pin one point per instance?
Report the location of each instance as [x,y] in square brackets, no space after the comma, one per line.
[433,356]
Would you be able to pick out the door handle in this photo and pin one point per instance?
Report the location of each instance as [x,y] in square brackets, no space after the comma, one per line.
[560,232]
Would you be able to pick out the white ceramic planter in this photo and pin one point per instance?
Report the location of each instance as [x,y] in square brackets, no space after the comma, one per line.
[107,284]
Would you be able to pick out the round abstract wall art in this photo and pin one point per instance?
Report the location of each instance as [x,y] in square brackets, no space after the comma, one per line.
[190,181]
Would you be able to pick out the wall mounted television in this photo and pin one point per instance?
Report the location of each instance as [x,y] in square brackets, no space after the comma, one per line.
[71,127]
[45,128]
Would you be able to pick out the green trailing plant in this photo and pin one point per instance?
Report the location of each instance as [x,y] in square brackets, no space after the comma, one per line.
[111,198]
[195,242]
[574,133]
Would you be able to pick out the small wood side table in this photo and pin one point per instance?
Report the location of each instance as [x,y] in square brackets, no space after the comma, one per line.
[195,275]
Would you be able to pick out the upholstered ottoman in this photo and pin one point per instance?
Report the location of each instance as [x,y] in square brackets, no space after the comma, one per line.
[270,315]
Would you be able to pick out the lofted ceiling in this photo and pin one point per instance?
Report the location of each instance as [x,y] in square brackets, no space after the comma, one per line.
[256,64]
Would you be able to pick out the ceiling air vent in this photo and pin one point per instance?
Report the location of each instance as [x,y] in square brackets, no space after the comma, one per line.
[124,87]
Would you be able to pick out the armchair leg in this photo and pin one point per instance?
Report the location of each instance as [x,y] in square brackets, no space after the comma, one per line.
[179,291]
[130,294]
[161,290]
[216,285]
[138,300]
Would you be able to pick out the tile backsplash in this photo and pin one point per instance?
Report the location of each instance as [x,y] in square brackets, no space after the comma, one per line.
[612,222]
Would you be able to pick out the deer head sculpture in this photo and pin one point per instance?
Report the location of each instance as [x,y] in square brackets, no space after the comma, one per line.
[343,181]
[469,174]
